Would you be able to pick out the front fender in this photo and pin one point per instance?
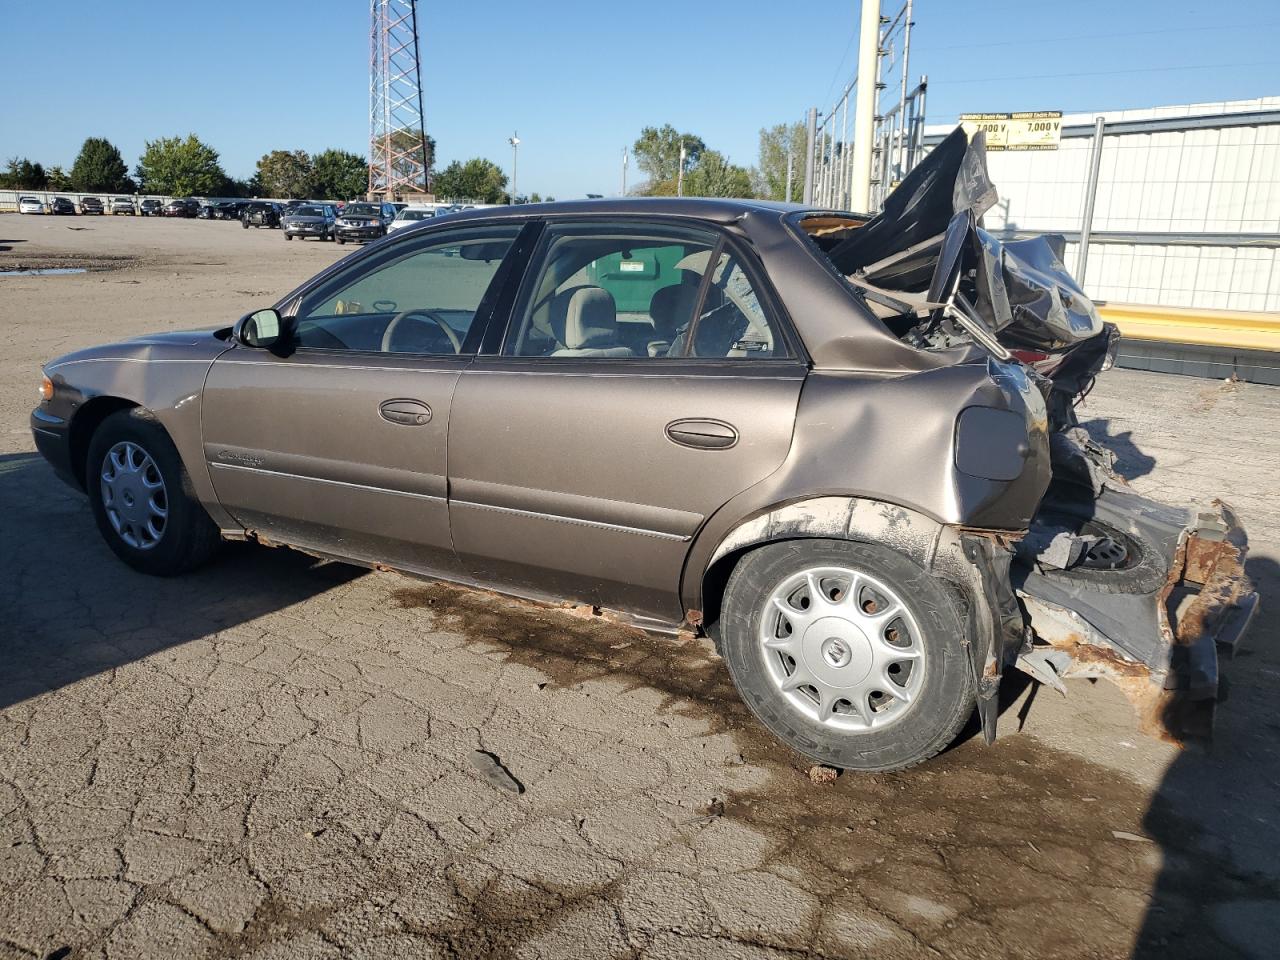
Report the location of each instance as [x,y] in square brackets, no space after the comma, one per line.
[163,375]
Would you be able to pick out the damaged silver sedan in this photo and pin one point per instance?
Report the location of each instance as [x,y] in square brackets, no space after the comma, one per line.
[845,448]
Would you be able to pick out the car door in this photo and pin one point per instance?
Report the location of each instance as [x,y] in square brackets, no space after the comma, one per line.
[338,444]
[647,376]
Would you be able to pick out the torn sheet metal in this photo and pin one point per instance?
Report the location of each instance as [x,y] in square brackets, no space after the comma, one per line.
[929,239]
[1158,640]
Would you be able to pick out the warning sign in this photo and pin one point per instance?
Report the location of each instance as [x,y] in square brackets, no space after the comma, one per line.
[1035,130]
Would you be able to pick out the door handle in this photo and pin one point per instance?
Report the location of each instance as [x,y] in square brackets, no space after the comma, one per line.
[408,413]
[702,434]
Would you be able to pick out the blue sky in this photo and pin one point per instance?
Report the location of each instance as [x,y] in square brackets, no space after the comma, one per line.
[579,79]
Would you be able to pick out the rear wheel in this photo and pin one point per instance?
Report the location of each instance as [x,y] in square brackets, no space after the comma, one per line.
[142,497]
[848,652]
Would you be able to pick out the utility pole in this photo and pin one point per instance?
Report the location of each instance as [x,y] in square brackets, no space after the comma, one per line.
[864,122]
[680,173]
[811,139]
[624,171]
[514,140]
[791,157]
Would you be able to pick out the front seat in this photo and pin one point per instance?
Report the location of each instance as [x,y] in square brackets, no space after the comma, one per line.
[587,326]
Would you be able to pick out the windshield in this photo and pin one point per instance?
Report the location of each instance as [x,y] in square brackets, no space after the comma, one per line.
[360,210]
[308,212]
[415,214]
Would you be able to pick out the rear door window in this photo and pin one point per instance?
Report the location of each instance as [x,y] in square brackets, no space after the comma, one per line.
[638,291]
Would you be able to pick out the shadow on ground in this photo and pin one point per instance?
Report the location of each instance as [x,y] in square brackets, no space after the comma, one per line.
[1131,462]
[70,609]
[1220,880]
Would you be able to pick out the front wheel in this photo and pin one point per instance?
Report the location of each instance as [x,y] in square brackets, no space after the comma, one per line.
[142,498]
[339,239]
[848,652]
[288,237]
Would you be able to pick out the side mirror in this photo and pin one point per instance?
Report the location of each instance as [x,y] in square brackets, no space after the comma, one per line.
[261,329]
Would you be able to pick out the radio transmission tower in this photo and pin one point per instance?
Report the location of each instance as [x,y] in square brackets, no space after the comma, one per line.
[398,156]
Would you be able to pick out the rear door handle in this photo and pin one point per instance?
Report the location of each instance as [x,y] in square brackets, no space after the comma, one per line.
[408,413]
[702,434]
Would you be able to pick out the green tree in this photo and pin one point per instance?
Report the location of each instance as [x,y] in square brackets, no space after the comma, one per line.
[657,153]
[22,174]
[178,166]
[99,167]
[285,173]
[339,175]
[771,175]
[58,179]
[478,179]
[715,176]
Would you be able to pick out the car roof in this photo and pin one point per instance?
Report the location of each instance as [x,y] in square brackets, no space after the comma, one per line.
[703,208]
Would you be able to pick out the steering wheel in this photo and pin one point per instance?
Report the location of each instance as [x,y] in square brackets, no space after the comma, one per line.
[389,334]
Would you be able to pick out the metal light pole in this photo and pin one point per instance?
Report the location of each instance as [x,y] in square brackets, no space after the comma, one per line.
[680,173]
[514,140]
[624,171]
[1090,195]
[791,157]
[811,142]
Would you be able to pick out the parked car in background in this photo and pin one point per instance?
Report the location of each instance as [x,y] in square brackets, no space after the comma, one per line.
[151,208]
[416,213]
[220,209]
[62,205]
[363,221]
[260,213]
[309,220]
[91,205]
[182,208]
[123,205]
[30,205]
[230,209]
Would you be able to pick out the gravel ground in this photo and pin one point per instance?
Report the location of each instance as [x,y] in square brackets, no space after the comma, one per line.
[277,757]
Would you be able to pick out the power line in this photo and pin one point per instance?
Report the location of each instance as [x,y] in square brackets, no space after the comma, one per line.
[1114,34]
[936,81]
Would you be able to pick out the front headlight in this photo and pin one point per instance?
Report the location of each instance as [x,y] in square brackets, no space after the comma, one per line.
[46,389]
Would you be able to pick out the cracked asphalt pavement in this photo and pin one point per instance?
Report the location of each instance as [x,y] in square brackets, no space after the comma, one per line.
[277,756]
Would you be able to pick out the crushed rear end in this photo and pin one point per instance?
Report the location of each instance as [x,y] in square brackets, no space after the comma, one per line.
[1110,584]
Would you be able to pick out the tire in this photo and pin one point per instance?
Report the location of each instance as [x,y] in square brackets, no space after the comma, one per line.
[929,627]
[187,538]
[287,237]
[339,239]
[245,224]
